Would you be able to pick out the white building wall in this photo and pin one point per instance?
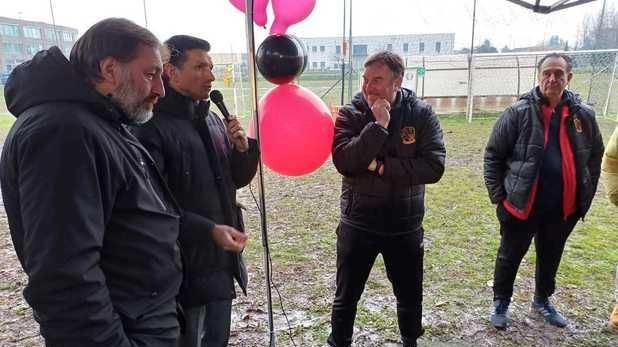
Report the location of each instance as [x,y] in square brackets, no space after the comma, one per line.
[322,51]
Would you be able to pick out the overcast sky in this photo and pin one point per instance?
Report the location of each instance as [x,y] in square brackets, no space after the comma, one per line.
[223,25]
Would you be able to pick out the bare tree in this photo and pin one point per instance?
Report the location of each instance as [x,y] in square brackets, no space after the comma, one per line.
[599,31]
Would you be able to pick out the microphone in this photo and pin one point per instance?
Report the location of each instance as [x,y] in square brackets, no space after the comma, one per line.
[217,98]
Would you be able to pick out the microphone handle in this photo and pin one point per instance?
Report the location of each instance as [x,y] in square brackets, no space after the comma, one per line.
[223,110]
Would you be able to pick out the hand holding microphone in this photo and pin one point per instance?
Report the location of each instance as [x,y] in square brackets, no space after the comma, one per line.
[235,132]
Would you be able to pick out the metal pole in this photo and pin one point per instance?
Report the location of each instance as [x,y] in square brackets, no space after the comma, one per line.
[423,84]
[342,56]
[536,62]
[350,49]
[51,9]
[611,84]
[145,14]
[518,76]
[262,200]
[470,103]
[592,73]
[240,79]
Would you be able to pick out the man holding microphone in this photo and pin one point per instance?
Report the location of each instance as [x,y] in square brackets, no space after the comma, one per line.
[204,160]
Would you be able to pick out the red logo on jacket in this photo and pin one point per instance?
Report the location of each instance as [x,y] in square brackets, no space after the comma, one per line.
[408,135]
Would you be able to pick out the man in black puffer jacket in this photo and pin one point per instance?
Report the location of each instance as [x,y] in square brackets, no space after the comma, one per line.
[388,145]
[204,162]
[93,224]
[542,166]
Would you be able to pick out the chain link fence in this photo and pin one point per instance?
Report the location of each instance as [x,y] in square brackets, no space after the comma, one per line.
[497,80]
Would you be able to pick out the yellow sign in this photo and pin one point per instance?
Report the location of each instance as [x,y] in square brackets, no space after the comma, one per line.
[228,76]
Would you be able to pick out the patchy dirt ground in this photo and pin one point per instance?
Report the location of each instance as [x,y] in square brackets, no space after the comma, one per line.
[461,242]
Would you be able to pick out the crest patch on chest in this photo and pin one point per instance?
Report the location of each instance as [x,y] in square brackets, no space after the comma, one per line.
[578,125]
[408,135]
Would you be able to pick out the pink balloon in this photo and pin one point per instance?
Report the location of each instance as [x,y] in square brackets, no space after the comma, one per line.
[289,12]
[296,130]
[259,10]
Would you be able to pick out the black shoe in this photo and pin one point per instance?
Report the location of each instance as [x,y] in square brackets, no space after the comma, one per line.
[498,316]
[411,342]
[332,343]
[545,308]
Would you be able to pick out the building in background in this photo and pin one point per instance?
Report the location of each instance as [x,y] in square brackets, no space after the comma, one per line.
[325,53]
[21,39]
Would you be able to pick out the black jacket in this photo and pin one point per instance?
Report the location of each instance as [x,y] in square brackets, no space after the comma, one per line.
[191,148]
[393,203]
[515,149]
[92,222]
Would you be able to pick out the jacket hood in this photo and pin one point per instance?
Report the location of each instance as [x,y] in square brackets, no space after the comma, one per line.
[403,94]
[50,77]
[178,105]
[568,97]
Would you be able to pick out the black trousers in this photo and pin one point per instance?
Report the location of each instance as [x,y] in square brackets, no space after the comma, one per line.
[157,328]
[403,258]
[550,232]
[207,325]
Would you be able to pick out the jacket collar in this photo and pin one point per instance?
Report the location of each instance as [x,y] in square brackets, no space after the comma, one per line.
[181,106]
[568,98]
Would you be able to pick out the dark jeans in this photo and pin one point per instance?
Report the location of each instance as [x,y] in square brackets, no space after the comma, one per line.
[207,326]
[403,258]
[157,328]
[550,232]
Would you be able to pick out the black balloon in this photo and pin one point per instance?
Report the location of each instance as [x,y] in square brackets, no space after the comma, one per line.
[281,58]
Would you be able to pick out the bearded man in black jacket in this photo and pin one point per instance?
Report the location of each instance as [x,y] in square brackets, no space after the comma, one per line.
[92,221]
[388,145]
[204,160]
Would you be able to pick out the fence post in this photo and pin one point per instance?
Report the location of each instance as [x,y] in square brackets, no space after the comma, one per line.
[518,76]
[611,83]
[592,73]
[536,62]
[470,101]
[423,85]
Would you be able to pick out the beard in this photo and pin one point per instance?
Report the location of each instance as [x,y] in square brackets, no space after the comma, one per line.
[127,97]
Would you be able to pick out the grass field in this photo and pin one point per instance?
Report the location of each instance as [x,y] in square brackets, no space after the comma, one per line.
[461,243]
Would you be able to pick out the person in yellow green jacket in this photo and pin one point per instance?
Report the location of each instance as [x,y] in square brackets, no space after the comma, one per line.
[609,171]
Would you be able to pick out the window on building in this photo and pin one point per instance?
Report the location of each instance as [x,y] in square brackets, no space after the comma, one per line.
[32,49]
[67,36]
[438,46]
[49,35]
[389,47]
[314,48]
[421,47]
[315,65]
[359,50]
[338,49]
[322,48]
[32,32]
[335,66]
[322,65]
[405,47]
[9,29]
[14,48]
